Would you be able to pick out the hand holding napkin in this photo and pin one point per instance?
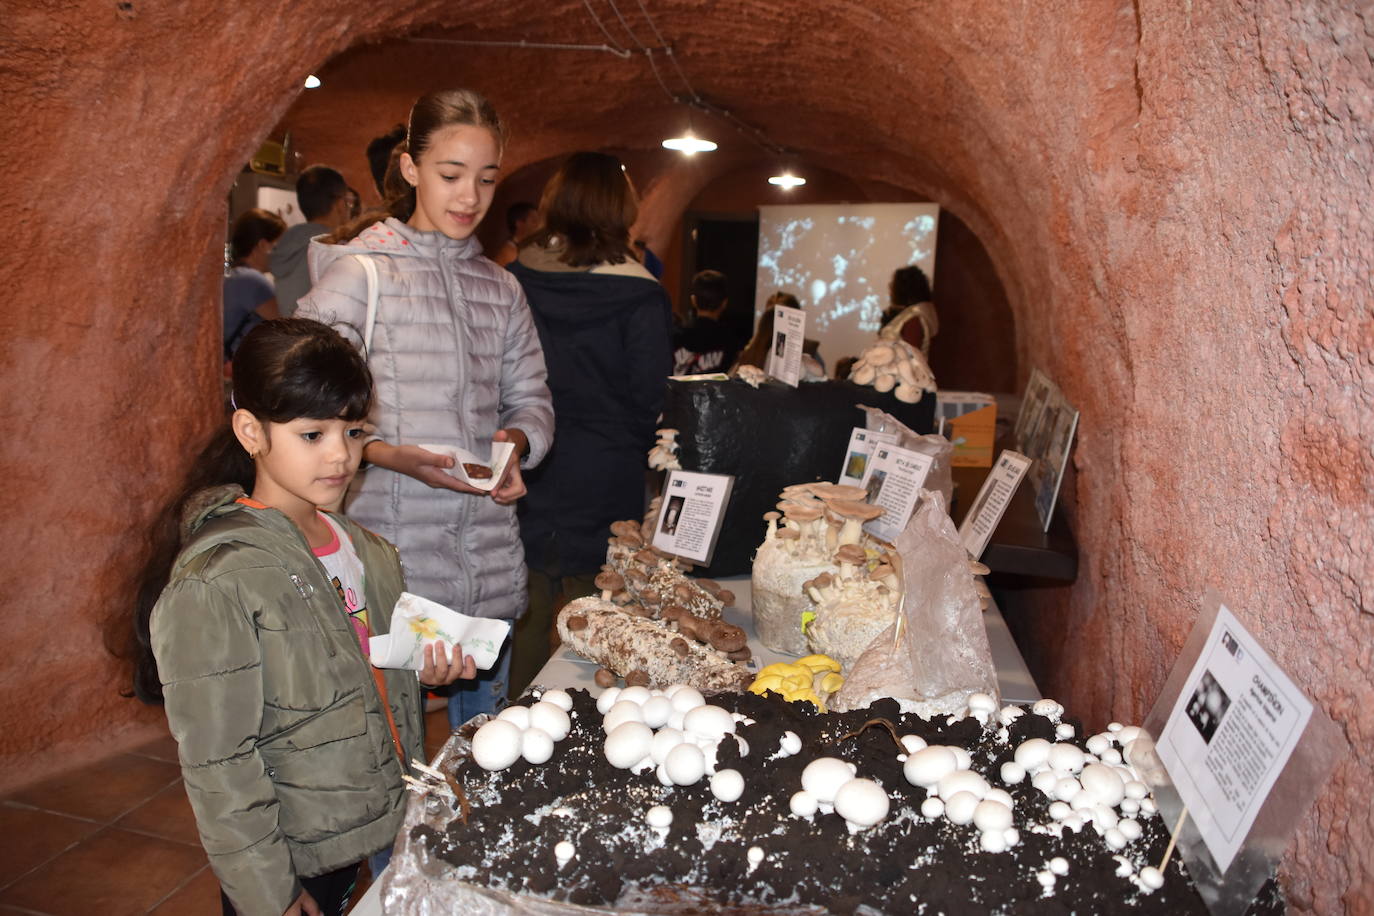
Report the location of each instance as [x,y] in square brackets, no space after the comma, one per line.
[500,456]
[417,622]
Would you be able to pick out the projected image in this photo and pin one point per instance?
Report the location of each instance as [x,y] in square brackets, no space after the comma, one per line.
[838,258]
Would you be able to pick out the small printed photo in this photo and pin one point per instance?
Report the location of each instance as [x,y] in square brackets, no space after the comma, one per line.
[779,344]
[856,464]
[671,514]
[875,486]
[1208,705]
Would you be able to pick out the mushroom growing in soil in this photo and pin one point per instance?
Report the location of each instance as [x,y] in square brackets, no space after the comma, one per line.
[609,583]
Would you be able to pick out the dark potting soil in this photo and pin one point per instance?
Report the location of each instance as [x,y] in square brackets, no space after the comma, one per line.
[906,864]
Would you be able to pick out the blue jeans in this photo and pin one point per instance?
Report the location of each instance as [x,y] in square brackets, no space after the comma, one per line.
[485,693]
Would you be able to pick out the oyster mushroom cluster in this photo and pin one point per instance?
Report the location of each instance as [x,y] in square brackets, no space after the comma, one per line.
[663,456]
[855,604]
[810,523]
[896,366]
[637,574]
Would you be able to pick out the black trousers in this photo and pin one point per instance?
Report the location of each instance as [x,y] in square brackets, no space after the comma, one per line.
[330,890]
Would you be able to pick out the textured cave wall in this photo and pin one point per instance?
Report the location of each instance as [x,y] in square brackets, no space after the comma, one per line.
[1172,196]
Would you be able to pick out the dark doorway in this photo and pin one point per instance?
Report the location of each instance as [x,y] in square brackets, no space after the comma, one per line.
[728,243]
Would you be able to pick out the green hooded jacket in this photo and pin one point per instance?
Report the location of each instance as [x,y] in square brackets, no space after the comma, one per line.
[285,749]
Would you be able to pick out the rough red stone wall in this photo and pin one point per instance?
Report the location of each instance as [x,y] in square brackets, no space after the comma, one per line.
[1173,195]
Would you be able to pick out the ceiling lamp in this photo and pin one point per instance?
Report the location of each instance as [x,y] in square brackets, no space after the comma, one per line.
[689,144]
[787,181]
[312,82]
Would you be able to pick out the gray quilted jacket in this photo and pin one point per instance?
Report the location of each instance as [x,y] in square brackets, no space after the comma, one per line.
[455,357]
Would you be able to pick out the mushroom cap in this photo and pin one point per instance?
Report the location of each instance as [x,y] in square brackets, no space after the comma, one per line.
[880,572]
[803,513]
[771,516]
[823,580]
[851,553]
[609,580]
[830,491]
[794,489]
[852,508]
[789,534]
[879,355]
[625,529]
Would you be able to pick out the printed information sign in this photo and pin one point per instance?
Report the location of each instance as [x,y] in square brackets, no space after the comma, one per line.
[860,452]
[992,501]
[690,517]
[894,480]
[1231,731]
[784,357]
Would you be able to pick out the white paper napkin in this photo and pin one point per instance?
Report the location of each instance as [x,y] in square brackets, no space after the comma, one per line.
[416,622]
[500,455]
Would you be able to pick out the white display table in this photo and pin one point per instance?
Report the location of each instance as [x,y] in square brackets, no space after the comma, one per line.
[566,670]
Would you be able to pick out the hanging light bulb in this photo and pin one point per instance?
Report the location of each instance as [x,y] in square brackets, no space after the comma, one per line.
[787,181]
[312,82]
[689,144]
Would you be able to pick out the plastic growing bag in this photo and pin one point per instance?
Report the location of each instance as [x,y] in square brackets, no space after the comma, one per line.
[935,654]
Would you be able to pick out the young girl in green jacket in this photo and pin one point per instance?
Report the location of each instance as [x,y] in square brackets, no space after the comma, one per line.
[292,745]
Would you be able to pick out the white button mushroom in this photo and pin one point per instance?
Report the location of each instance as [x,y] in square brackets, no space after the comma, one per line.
[659,817]
[560,698]
[991,816]
[928,766]
[1152,878]
[628,744]
[932,807]
[536,745]
[1032,754]
[992,842]
[727,785]
[657,711]
[963,781]
[1066,758]
[803,803]
[1012,772]
[1059,865]
[563,851]
[519,716]
[550,718]
[824,776]
[708,722]
[622,712]
[861,802]
[496,745]
[608,698]
[960,807]
[1103,783]
[685,764]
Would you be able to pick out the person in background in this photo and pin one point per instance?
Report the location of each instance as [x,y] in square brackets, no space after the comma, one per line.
[249,297]
[709,345]
[522,219]
[355,204]
[457,362]
[755,352]
[379,155]
[652,262]
[322,195]
[912,313]
[606,327]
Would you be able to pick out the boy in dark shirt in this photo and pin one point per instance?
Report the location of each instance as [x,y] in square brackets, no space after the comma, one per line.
[708,345]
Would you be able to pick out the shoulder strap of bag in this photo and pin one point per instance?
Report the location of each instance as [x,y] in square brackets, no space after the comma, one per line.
[371,270]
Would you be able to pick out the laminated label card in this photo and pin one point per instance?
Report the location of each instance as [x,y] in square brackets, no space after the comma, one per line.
[692,510]
[894,480]
[993,499]
[860,452]
[1231,731]
[784,357]
[483,474]
[416,622]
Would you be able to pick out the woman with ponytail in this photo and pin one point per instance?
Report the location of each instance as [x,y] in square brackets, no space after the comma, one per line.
[456,361]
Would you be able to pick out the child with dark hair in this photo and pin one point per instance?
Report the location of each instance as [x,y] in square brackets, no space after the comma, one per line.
[249,295]
[708,344]
[253,622]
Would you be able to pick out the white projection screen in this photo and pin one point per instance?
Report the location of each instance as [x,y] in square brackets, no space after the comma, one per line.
[837,259]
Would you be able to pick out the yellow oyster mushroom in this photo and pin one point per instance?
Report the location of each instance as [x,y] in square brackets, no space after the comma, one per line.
[807,695]
[819,663]
[765,682]
[831,683]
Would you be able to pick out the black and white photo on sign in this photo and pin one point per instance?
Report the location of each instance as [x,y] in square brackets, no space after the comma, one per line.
[671,513]
[1207,706]
[779,344]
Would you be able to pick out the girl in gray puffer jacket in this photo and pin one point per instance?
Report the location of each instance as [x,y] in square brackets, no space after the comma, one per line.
[457,362]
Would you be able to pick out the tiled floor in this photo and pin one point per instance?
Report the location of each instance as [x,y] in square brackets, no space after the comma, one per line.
[116,838]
